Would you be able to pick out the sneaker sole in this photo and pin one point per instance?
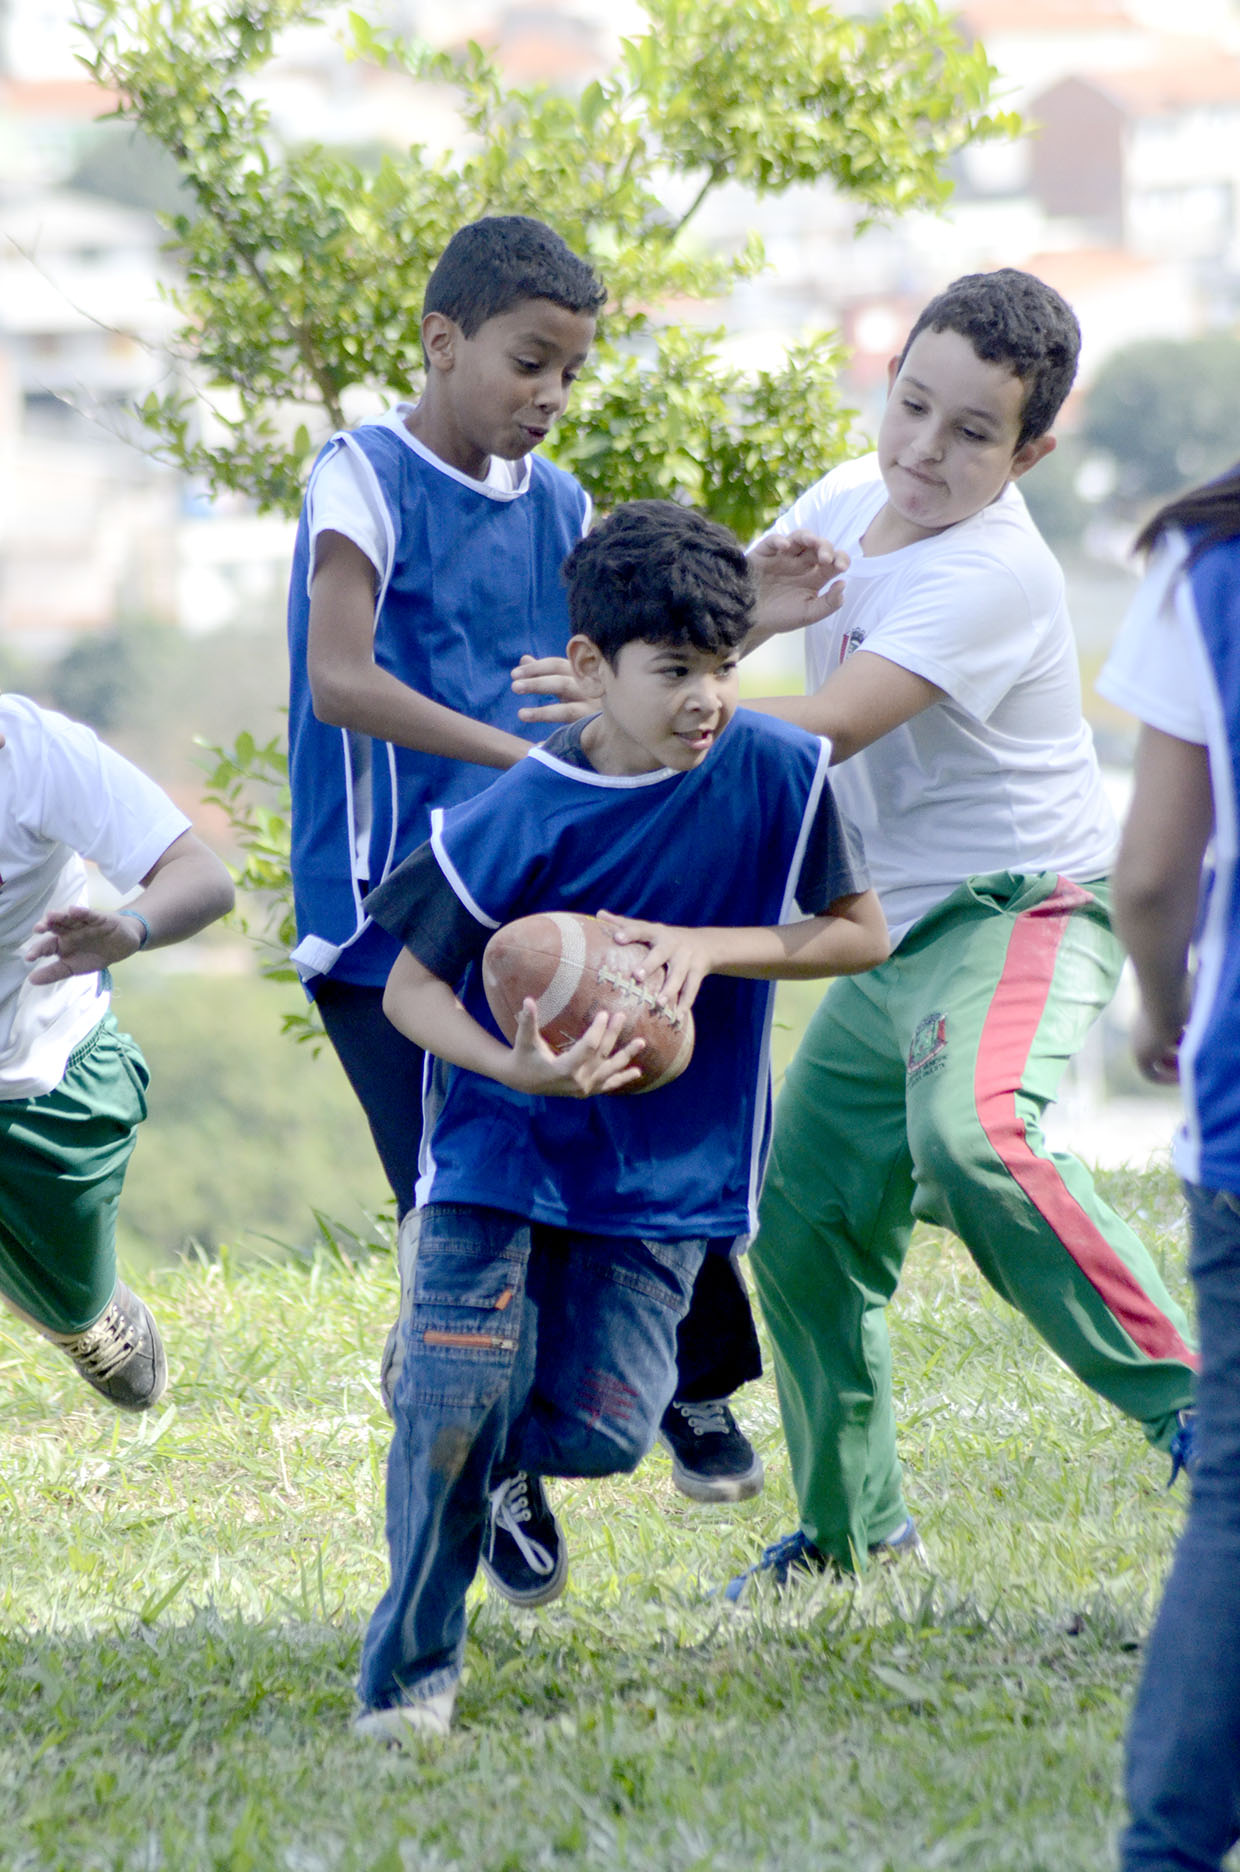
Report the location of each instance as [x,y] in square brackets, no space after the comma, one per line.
[728,1488]
[402,1723]
[541,1595]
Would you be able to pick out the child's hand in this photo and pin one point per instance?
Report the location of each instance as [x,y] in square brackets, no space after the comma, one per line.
[80,941]
[674,961]
[550,676]
[1157,1050]
[789,571]
[592,1065]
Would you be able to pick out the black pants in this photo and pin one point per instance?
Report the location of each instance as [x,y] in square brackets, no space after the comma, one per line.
[717,1344]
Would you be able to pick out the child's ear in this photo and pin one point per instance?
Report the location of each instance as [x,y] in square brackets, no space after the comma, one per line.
[439,337]
[587,663]
[1030,453]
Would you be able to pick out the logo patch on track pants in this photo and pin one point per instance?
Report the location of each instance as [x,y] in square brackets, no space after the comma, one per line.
[927,1053]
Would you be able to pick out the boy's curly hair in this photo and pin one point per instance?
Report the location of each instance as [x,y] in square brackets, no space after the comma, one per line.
[1013,318]
[659,573]
[491,265]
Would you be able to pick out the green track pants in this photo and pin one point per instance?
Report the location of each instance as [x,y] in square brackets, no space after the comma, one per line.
[918,1093]
[62,1164]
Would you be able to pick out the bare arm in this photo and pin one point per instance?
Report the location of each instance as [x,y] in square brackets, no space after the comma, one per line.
[1156,886]
[424,1008]
[848,938]
[186,888]
[350,690]
[864,699]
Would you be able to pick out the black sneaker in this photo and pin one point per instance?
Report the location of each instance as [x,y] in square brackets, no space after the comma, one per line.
[712,1458]
[121,1354]
[524,1556]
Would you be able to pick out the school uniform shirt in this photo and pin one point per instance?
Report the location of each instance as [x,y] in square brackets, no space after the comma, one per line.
[751,836]
[64,796]
[1176,666]
[467,582]
[1001,775]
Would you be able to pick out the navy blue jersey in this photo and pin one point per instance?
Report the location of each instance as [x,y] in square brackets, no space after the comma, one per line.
[723,845]
[474,584]
[1210,1151]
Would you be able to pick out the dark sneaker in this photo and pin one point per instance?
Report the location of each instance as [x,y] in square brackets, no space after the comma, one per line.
[121,1355]
[795,1553]
[1182,1448]
[524,1556]
[712,1458]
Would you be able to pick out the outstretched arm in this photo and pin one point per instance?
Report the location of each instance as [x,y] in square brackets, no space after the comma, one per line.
[1156,887]
[350,690]
[864,699]
[185,889]
[846,939]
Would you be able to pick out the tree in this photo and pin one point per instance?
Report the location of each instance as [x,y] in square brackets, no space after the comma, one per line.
[1167,413]
[302,270]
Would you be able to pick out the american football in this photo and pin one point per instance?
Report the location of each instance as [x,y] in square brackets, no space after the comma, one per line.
[571,967]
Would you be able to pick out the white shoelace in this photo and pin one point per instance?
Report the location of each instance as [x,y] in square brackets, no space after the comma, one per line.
[104,1347]
[706,1419]
[510,1508]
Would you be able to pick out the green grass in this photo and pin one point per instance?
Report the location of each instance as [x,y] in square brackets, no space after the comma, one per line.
[183,1599]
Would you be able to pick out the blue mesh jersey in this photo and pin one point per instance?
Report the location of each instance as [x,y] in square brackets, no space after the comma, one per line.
[730,843]
[474,584]
[1209,1150]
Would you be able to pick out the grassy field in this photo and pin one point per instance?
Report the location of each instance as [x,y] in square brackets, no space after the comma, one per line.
[183,1600]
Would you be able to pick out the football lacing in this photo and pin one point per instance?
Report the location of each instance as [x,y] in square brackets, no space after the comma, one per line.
[640,992]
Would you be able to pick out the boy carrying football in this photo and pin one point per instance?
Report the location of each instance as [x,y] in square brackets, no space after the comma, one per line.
[562,1231]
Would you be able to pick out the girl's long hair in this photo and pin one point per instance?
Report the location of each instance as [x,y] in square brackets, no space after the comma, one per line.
[1211,514]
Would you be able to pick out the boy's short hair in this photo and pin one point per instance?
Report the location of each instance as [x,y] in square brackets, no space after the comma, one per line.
[490,265]
[656,572]
[1013,318]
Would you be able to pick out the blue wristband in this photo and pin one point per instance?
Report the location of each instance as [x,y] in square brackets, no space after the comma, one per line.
[139,918]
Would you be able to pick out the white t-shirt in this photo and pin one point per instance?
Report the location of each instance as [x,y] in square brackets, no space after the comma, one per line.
[1157,669]
[343,495]
[63,797]
[1002,774]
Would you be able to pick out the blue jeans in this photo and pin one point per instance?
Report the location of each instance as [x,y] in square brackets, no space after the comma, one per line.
[529,1348]
[1183,1775]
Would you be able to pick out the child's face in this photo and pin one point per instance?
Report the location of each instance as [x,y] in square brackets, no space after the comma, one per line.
[947,440]
[664,705]
[502,391]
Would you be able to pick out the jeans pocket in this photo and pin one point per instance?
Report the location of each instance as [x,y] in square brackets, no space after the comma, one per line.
[466,1317]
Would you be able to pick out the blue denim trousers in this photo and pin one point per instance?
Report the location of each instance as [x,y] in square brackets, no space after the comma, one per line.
[528,1348]
[1183,1770]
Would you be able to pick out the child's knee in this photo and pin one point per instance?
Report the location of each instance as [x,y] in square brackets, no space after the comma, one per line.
[599,1449]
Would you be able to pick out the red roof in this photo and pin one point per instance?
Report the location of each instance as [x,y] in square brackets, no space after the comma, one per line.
[986,18]
[56,97]
[1174,85]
